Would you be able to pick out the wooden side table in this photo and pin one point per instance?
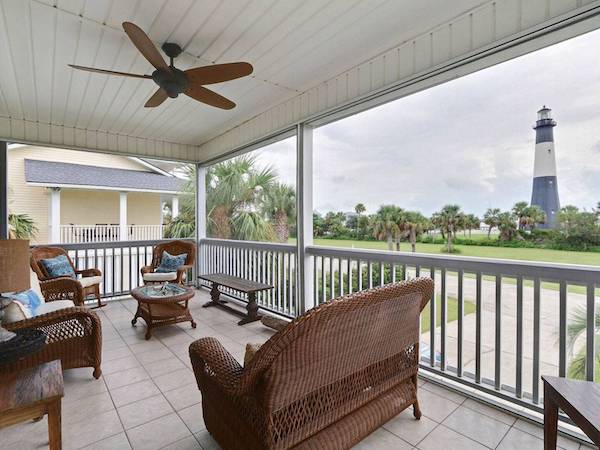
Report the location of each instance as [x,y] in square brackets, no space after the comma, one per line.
[31,394]
[580,400]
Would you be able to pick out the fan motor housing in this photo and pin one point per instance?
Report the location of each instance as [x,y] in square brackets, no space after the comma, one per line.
[173,83]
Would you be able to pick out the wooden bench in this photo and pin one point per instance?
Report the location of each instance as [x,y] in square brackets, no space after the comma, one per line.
[250,288]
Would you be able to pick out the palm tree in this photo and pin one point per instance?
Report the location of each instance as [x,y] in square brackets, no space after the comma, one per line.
[507,225]
[360,208]
[235,191]
[472,222]
[575,330]
[280,207]
[415,224]
[21,226]
[491,219]
[520,211]
[450,218]
[534,215]
[385,226]
[184,225]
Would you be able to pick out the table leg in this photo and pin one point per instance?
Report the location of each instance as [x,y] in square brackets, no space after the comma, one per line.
[215,297]
[550,420]
[252,308]
[54,425]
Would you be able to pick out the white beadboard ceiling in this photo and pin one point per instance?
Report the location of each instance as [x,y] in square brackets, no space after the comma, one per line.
[295,46]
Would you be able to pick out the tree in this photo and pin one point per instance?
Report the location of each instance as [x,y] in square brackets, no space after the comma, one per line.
[507,225]
[450,218]
[236,190]
[579,228]
[533,216]
[318,225]
[280,206]
[491,218]
[520,211]
[415,224]
[575,330]
[334,223]
[472,222]
[21,226]
[360,208]
[385,226]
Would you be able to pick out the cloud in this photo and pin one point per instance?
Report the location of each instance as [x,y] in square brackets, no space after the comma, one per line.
[469,141]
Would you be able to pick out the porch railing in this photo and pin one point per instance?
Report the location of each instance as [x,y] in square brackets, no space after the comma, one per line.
[270,263]
[120,263]
[78,234]
[493,325]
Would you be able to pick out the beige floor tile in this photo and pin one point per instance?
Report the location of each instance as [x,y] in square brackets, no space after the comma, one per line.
[164,366]
[154,355]
[434,406]
[516,439]
[134,392]
[125,377]
[116,442]
[176,379]
[192,416]
[207,441]
[183,396]
[77,389]
[118,365]
[115,353]
[158,433]
[98,427]
[538,431]
[489,411]
[476,426]
[189,443]
[113,344]
[26,435]
[405,425]
[78,410]
[447,439]
[382,439]
[140,346]
[446,393]
[144,411]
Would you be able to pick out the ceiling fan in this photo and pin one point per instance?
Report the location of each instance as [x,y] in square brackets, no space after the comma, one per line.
[172,81]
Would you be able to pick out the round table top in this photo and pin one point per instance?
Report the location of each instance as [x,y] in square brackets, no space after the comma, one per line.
[144,293]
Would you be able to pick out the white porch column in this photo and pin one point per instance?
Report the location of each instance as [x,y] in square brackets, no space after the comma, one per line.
[123,235]
[174,206]
[54,216]
[304,212]
[200,217]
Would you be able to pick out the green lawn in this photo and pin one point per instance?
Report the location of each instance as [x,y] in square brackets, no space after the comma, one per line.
[451,313]
[527,254]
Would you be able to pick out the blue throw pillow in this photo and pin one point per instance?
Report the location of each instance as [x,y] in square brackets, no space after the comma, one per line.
[58,266]
[170,263]
[29,299]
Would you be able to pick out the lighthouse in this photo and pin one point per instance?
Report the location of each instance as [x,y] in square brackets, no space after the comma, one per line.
[545,185]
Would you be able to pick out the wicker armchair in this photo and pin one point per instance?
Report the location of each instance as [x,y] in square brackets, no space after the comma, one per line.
[65,288]
[326,381]
[173,248]
[73,335]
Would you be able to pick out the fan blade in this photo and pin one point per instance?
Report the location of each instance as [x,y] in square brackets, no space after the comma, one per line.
[218,73]
[209,97]
[157,98]
[145,46]
[109,72]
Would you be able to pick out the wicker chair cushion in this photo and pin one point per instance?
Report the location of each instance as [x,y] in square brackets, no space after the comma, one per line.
[15,311]
[49,307]
[34,282]
[153,276]
[90,281]
[170,263]
[29,299]
[251,350]
[59,266]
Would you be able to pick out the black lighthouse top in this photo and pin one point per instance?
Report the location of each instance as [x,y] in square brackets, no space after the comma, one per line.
[543,126]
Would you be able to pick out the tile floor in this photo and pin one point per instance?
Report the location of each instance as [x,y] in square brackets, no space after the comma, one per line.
[147,397]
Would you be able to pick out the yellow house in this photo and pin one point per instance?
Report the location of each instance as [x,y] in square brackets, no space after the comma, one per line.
[75,196]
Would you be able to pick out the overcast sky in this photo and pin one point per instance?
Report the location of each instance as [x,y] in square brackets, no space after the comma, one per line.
[469,141]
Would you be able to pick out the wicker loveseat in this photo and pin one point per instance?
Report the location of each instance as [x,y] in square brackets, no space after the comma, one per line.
[325,381]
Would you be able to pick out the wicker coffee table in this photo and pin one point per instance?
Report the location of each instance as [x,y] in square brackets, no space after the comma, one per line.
[161,305]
